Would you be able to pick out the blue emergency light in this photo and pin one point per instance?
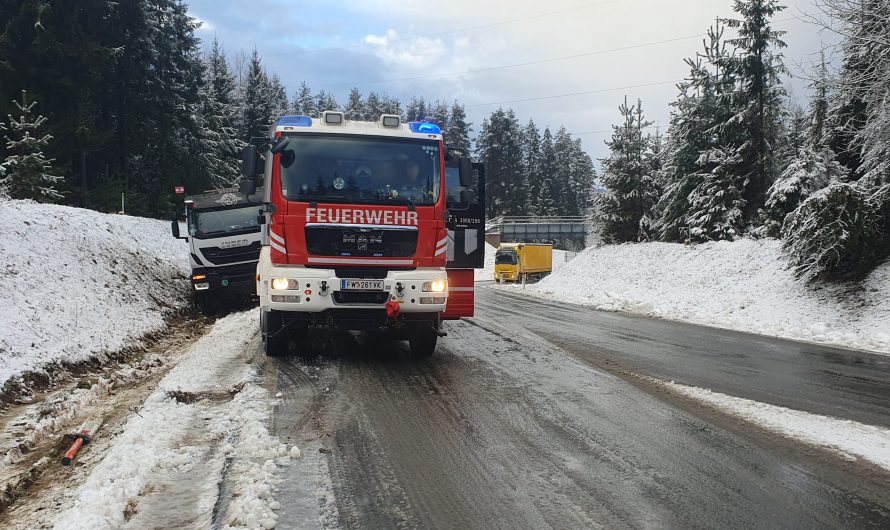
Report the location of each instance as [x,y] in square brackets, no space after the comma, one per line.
[298,121]
[424,127]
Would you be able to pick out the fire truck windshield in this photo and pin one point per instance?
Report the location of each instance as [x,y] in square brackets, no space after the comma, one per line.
[207,223]
[356,169]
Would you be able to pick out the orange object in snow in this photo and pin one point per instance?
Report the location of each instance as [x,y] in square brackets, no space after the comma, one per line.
[82,437]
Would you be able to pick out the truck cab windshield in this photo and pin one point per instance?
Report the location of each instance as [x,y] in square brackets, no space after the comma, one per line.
[207,223]
[356,169]
[505,258]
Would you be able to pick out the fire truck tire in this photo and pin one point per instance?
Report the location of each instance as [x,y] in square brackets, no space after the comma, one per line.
[423,341]
[276,338]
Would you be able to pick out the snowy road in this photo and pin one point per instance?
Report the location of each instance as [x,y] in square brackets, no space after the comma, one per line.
[504,429]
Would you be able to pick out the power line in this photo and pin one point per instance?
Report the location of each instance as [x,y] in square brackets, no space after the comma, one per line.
[527,63]
[499,23]
[572,94]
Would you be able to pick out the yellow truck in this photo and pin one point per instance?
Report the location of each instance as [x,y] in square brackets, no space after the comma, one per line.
[521,262]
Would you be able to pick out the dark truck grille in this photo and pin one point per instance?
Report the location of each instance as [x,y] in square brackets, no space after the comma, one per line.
[362,242]
[359,297]
[224,256]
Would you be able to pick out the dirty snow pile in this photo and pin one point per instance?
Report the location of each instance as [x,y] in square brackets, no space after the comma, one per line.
[742,285]
[77,282]
[202,432]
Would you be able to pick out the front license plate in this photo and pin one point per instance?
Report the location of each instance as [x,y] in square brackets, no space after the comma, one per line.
[361,285]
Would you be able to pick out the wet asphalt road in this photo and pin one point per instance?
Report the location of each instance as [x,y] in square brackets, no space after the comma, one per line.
[822,380]
[500,429]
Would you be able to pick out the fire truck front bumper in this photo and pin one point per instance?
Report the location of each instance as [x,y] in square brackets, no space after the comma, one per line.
[319,290]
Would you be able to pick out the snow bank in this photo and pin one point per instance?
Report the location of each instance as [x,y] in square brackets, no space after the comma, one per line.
[77,282]
[742,285]
[849,438]
[207,399]
[487,273]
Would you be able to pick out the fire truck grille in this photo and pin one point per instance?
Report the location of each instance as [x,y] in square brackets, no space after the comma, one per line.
[364,242]
[365,298]
[224,256]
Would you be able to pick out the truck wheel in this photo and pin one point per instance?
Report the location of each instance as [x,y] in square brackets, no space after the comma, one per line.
[205,304]
[276,338]
[423,341]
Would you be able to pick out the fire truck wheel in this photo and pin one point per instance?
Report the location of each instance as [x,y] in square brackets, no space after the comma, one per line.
[423,341]
[276,338]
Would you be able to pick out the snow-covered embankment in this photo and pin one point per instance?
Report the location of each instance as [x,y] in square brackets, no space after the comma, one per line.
[743,285]
[78,283]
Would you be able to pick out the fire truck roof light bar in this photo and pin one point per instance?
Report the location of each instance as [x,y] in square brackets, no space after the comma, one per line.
[332,118]
[298,121]
[424,127]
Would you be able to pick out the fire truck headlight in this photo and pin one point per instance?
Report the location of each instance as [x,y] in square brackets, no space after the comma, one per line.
[435,286]
[283,284]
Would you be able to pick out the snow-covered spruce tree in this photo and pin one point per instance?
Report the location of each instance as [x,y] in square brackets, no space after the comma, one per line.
[355,105]
[833,234]
[219,145]
[440,115]
[257,108]
[631,191]
[531,163]
[416,109]
[27,173]
[499,147]
[700,122]
[581,177]
[716,203]
[546,203]
[304,103]
[374,105]
[758,98]
[458,133]
[811,170]
[843,230]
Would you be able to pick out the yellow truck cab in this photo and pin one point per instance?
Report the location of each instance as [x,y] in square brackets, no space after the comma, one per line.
[520,262]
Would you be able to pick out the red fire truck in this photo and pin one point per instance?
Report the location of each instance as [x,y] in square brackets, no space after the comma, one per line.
[359,221]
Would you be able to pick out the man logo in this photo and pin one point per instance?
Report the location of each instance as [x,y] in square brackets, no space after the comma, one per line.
[228,199]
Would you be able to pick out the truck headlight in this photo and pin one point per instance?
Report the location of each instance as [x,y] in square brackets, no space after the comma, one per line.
[435,286]
[284,284]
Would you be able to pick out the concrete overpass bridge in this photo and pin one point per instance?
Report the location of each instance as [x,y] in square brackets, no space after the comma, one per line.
[567,233]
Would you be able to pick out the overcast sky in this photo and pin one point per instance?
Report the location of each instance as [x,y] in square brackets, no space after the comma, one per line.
[457,49]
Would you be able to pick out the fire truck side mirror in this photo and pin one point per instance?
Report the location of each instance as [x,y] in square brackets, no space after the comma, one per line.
[247,187]
[248,161]
[280,145]
[466,172]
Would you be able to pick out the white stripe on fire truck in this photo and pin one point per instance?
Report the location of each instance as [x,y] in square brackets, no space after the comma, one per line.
[441,250]
[277,238]
[461,289]
[277,247]
[443,242]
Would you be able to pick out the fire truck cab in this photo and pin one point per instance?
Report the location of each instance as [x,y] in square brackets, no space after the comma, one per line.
[354,231]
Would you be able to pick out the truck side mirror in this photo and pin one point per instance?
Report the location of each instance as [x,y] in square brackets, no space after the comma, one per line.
[174,228]
[466,172]
[248,161]
[280,145]
[247,186]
